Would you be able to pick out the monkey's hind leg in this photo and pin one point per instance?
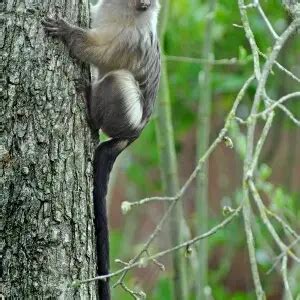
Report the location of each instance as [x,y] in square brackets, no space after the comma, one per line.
[117,105]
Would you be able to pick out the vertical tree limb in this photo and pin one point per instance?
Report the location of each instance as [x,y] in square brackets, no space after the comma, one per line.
[203,132]
[165,137]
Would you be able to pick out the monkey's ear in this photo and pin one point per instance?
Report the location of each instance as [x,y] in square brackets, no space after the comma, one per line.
[142,5]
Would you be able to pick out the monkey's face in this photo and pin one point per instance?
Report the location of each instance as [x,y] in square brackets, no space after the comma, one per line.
[142,5]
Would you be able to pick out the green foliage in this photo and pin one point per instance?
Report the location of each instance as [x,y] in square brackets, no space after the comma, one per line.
[162,289]
[283,202]
[220,293]
[115,237]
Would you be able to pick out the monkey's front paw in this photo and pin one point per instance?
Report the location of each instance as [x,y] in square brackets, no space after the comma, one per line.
[56,27]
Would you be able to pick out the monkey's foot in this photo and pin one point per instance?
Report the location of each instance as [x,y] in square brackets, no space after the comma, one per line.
[56,27]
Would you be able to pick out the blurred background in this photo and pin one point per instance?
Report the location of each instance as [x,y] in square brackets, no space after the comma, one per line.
[138,171]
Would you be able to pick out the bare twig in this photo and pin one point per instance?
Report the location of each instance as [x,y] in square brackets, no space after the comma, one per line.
[284,224]
[264,17]
[276,104]
[284,109]
[280,256]
[193,60]
[285,278]
[250,37]
[138,295]
[165,252]
[260,144]
[261,208]
[265,73]
[281,67]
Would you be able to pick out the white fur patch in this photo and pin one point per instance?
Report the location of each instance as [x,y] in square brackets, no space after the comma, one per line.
[132,97]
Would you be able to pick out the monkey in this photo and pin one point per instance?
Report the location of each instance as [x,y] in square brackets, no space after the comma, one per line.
[123,46]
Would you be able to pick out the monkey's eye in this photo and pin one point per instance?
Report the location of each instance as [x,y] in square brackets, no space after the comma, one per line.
[142,5]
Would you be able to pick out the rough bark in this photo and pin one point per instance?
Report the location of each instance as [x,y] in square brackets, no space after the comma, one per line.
[45,157]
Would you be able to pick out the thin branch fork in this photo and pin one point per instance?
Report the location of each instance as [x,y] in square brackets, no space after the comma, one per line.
[130,266]
[276,104]
[288,113]
[260,144]
[268,66]
[281,67]
[280,256]
[271,229]
[284,224]
[272,104]
[264,17]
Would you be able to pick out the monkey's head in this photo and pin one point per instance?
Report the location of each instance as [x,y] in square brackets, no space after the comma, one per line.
[146,5]
[126,12]
[142,5]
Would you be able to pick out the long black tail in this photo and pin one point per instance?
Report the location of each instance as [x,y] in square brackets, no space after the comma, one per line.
[105,156]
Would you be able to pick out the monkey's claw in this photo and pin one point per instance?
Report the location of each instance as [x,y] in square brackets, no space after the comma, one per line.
[56,27]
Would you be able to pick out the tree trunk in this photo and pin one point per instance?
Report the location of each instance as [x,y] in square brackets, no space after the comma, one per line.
[45,157]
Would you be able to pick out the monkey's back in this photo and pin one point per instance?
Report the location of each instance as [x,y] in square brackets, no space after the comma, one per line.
[149,80]
[136,51]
